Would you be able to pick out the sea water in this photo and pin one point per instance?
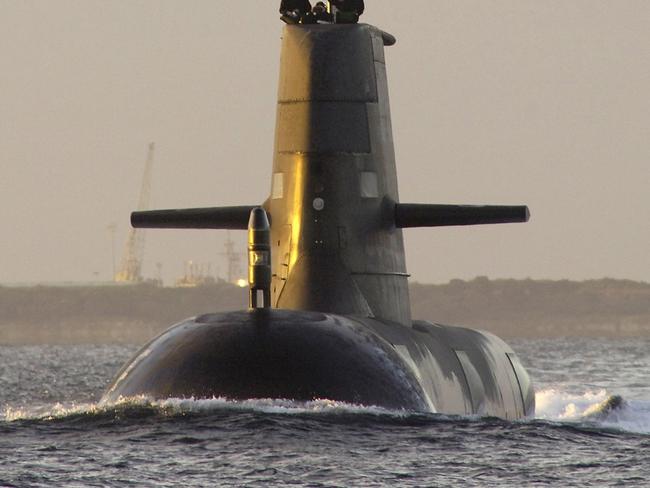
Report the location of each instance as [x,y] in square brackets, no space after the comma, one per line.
[53,432]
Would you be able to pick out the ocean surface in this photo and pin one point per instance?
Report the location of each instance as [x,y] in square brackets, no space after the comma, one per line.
[53,432]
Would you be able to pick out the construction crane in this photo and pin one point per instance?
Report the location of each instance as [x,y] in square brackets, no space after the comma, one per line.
[131,265]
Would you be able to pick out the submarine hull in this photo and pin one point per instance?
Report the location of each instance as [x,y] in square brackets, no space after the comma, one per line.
[304,356]
[267,353]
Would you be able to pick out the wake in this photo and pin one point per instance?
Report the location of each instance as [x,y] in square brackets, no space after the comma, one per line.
[183,406]
[596,409]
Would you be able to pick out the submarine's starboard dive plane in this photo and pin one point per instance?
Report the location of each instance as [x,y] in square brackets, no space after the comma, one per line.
[329,314]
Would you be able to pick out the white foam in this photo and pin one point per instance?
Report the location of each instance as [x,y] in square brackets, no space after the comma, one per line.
[267,405]
[562,406]
[47,412]
[174,406]
[553,404]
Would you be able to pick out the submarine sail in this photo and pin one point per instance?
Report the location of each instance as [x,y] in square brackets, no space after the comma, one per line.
[339,325]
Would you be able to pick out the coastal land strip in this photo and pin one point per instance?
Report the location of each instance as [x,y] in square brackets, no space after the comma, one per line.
[509,308]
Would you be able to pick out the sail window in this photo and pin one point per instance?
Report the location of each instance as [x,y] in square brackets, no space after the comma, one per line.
[369,185]
[277,190]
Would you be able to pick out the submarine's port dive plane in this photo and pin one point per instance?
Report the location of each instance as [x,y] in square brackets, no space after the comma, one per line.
[329,314]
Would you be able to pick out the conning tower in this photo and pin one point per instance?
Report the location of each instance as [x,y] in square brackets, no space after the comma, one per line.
[335,246]
[336,238]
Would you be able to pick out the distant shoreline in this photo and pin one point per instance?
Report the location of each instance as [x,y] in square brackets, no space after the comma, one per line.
[509,308]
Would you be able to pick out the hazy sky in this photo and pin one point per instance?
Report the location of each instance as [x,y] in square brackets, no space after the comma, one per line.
[512,101]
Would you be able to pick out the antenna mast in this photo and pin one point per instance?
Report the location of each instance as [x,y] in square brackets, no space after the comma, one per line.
[233,258]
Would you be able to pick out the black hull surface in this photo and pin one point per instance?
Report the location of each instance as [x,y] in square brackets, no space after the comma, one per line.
[304,356]
[271,354]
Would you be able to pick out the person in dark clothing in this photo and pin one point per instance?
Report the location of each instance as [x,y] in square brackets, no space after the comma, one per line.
[294,11]
[349,5]
[321,13]
[342,11]
[348,11]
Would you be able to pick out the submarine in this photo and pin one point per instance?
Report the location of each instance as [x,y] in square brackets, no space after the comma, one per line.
[329,314]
